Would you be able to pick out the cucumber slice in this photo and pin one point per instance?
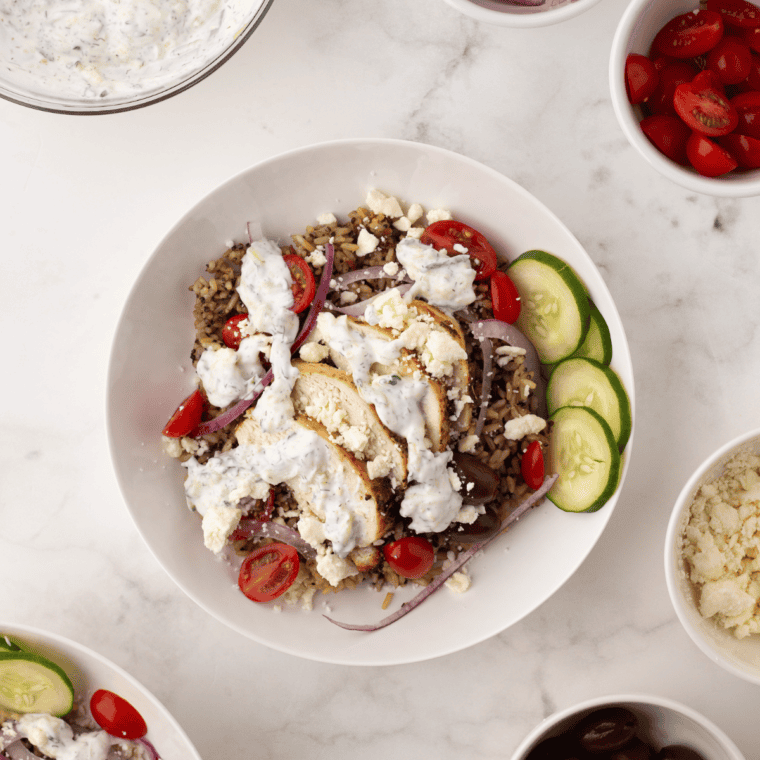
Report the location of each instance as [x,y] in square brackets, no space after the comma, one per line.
[7,645]
[555,309]
[598,343]
[32,683]
[586,382]
[584,453]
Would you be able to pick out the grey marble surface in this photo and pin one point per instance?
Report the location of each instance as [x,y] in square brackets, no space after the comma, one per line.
[85,200]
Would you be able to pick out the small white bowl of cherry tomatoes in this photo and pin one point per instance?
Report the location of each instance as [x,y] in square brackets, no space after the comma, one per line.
[685,85]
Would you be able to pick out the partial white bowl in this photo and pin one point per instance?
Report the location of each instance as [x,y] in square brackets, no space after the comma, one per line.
[524,16]
[27,83]
[638,26]
[662,722]
[738,656]
[150,372]
[90,671]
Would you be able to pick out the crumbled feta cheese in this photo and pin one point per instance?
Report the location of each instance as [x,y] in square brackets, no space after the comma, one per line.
[721,546]
[437,215]
[468,444]
[459,582]
[334,569]
[518,428]
[367,242]
[391,268]
[218,522]
[415,232]
[380,203]
[388,310]
[348,296]
[402,224]
[414,212]
[440,352]
[459,248]
[311,351]
[317,258]
[327,218]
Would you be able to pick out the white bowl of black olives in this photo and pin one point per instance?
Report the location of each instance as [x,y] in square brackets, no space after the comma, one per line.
[627,727]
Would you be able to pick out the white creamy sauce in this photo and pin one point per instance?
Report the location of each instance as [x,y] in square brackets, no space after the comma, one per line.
[442,280]
[56,739]
[101,49]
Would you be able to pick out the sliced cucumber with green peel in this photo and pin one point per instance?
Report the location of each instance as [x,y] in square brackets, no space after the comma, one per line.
[585,382]
[598,342]
[584,454]
[8,645]
[32,683]
[555,310]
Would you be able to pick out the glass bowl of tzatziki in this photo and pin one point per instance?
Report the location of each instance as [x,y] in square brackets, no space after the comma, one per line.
[88,57]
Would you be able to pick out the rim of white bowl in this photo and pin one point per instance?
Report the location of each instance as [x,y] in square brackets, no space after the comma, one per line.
[671,561]
[636,698]
[522,16]
[728,186]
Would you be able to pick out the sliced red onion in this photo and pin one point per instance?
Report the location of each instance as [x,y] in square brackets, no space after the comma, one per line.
[357,275]
[358,309]
[231,414]
[17,751]
[495,328]
[250,528]
[152,751]
[485,390]
[534,499]
[254,232]
[523,2]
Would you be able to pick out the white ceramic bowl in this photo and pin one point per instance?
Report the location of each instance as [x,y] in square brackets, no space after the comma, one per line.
[24,85]
[738,656]
[90,671]
[638,26]
[524,16]
[150,372]
[662,722]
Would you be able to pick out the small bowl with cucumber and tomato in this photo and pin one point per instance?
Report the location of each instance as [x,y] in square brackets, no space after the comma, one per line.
[62,697]
[588,406]
[685,87]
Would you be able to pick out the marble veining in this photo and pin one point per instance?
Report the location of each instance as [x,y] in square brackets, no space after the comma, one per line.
[84,201]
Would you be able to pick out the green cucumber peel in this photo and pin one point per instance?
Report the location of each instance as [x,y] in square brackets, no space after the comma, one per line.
[30,682]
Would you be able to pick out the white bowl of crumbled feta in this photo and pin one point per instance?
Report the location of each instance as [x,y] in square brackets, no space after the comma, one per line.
[151,370]
[711,556]
[106,57]
[88,672]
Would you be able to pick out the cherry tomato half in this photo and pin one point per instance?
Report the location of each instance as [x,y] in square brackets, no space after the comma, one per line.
[641,78]
[736,13]
[268,572]
[703,106]
[690,34]
[304,286]
[448,234]
[505,298]
[731,60]
[116,716]
[669,135]
[671,74]
[752,38]
[410,557]
[747,105]
[707,157]
[532,465]
[187,416]
[745,149]
[231,334]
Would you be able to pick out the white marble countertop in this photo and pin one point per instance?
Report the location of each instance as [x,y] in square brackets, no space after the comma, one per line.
[85,200]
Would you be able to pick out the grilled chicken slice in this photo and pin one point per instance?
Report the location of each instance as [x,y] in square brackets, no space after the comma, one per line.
[329,395]
[359,506]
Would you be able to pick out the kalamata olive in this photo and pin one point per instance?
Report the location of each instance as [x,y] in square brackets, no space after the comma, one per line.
[678,752]
[468,533]
[479,483]
[564,747]
[634,750]
[606,730]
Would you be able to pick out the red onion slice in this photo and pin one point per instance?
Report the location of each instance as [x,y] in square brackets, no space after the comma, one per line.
[231,414]
[152,751]
[357,275]
[17,751]
[495,328]
[532,500]
[249,528]
[485,390]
